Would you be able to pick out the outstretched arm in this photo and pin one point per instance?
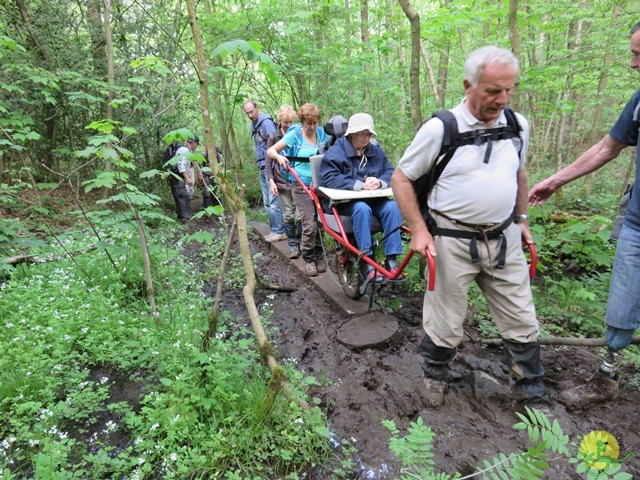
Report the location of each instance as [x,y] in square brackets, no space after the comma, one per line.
[405,197]
[595,157]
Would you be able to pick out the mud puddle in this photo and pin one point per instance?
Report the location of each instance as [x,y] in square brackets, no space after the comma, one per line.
[361,388]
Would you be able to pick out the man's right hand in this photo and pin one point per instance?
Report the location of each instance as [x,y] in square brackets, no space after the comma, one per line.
[421,241]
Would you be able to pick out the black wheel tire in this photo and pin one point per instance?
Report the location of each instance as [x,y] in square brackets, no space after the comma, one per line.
[348,275]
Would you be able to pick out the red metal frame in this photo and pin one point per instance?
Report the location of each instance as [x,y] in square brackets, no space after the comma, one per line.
[342,238]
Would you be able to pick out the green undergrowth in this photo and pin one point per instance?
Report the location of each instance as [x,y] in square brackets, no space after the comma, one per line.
[93,385]
[547,445]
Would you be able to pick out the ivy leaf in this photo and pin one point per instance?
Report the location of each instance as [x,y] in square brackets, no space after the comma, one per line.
[87,152]
[179,135]
[138,80]
[202,237]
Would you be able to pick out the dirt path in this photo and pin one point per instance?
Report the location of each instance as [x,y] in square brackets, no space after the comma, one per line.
[361,388]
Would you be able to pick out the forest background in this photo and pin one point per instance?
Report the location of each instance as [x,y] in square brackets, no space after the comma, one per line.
[89,89]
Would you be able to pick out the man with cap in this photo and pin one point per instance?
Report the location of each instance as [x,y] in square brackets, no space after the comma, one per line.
[181,179]
[356,163]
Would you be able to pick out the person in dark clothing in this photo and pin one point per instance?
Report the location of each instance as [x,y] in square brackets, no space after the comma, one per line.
[181,179]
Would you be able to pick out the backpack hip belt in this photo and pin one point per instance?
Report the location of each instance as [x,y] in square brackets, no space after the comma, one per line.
[481,233]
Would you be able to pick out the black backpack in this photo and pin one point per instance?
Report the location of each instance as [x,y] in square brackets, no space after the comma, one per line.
[168,154]
[452,139]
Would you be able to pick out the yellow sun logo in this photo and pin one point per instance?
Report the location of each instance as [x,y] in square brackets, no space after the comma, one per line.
[599,448]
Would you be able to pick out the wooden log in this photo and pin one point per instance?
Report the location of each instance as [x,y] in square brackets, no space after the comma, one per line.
[574,341]
[19,259]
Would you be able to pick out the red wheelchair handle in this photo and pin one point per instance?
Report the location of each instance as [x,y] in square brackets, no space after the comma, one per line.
[431,282]
[533,266]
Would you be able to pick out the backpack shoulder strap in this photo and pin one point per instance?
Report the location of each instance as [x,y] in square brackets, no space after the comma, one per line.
[514,125]
[450,142]
[451,132]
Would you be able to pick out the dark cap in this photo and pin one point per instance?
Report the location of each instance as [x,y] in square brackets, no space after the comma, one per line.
[194,139]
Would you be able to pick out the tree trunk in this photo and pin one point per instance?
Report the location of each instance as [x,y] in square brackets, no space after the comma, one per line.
[236,204]
[596,127]
[443,65]
[575,36]
[514,39]
[49,110]
[110,73]
[347,29]
[432,79]
[414,69]
[364,34]
[96,33]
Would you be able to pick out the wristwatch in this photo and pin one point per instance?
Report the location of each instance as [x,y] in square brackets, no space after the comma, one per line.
[520,217]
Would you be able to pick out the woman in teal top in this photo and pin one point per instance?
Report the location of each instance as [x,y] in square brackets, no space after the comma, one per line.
[303,141]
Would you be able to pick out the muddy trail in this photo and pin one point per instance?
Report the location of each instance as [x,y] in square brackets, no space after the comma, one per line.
[361,387]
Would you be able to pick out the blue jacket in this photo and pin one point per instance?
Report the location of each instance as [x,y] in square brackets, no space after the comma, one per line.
[343,169]
[260,130]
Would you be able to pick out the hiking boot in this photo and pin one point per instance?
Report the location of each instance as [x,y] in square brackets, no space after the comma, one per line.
[432,391]
[599,388]
[392,266]
[369,275]
[294,252]
[310,269]
[321,265]
[275,237]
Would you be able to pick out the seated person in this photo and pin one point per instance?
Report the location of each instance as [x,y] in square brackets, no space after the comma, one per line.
[354,163]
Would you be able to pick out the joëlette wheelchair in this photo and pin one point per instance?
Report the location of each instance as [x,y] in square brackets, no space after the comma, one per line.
[348,257]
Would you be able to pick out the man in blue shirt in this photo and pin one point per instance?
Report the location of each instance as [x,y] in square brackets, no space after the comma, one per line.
[623,307]
[261,126]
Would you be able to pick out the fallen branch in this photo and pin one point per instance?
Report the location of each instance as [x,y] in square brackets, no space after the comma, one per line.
[19,259]
[573,341]
[272,286]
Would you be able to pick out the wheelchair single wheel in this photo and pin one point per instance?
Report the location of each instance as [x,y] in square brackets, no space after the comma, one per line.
[348,273]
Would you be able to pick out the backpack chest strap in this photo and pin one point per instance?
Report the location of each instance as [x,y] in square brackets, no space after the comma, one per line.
[488,136]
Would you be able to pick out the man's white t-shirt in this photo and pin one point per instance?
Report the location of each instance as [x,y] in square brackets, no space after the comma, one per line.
[469,190]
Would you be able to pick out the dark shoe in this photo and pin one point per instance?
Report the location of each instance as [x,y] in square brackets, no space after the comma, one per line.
[369,275]
[599,388]
[310,269]
[392,266]
[294,252]
[432,391]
